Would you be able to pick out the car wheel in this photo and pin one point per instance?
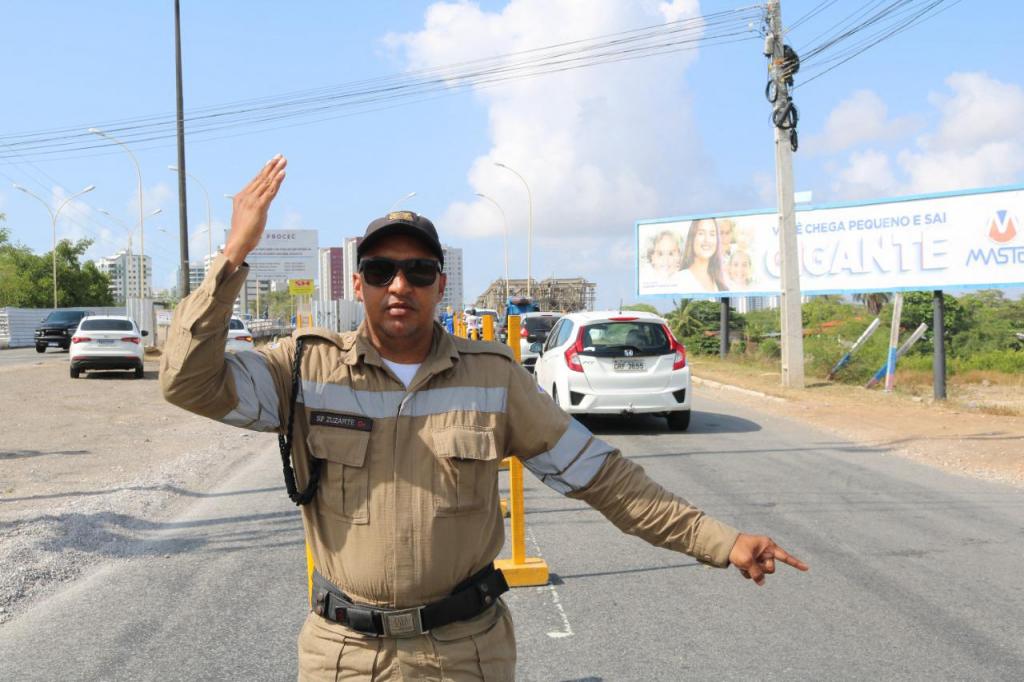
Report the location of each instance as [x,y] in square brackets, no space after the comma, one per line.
[75,372]
[40,349]
[140,372]
[679,421]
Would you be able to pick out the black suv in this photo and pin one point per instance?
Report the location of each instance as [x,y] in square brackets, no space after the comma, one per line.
[57,328]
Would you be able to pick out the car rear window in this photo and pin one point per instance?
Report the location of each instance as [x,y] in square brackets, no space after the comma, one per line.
[106,325]
[540,324]
[236,324]
[613,339]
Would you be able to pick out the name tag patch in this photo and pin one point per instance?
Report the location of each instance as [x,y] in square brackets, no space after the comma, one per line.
[341,421]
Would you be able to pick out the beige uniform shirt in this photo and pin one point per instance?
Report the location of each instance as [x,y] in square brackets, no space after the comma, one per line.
[407,505]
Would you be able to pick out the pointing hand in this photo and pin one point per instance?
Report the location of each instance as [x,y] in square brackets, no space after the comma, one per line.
[755,556]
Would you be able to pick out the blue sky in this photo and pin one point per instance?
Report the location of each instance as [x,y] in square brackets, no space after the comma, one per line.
[936,108]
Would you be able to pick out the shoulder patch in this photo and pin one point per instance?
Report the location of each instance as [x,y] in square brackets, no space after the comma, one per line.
[342,341]
[479,347]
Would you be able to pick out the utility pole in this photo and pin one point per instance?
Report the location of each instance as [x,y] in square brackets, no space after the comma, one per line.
[182,212]
[784,118]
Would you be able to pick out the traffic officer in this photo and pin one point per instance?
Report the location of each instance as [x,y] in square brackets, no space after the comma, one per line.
[397,430]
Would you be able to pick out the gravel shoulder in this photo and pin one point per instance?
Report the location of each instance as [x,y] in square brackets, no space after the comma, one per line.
[88,466]
[977,432]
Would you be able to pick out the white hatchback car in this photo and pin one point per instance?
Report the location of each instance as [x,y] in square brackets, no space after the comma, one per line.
[616,363]
[107,342]
[239,336]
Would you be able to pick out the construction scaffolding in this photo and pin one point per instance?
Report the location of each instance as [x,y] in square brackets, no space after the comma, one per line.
[554,294]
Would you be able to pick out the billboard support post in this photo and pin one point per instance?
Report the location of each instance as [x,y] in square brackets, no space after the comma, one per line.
[723,333]
[939,352]
[894,340]
[789,302]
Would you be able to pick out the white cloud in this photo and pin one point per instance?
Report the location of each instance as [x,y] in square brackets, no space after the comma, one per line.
[977,141]
[600,147]
[861,118]
[570,135]
[868,174]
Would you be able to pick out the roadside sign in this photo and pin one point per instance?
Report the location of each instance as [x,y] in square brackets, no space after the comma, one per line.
[284,254]
[163,317]
[300,287]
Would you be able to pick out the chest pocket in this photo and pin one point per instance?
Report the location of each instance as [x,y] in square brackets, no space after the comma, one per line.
[465,471]
[345,480]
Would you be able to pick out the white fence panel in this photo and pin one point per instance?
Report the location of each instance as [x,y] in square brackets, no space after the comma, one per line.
[18,325]
[339,315]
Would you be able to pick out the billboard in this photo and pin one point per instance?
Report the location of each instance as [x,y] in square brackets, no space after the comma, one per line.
[941,241]
[285,254]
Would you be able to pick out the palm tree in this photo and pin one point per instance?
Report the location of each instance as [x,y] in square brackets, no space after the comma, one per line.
[874,302]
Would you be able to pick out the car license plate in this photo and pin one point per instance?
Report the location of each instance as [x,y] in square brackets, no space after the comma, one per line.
[106,342]
[53,343]
[629,365]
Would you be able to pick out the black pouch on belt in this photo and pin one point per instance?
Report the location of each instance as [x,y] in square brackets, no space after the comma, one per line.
[470,598]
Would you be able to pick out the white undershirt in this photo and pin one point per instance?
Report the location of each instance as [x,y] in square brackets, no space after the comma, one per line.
[405,373]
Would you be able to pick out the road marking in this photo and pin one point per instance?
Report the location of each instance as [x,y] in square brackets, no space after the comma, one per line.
[566,630]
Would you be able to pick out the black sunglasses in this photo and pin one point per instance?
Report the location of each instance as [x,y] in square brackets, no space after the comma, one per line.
[379,271]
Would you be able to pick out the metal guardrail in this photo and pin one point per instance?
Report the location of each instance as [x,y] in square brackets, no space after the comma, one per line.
[262,329]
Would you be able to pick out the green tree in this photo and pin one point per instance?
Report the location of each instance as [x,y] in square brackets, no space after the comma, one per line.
[874,302]
[642,307]
[917,308]
[26,279]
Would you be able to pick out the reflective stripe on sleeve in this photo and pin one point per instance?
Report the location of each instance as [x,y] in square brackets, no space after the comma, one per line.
[257,407]
[574,461]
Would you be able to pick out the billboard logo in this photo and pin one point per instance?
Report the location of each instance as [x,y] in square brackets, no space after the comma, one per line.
[1002,228]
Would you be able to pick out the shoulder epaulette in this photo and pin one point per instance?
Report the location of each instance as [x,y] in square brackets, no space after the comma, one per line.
[491,347]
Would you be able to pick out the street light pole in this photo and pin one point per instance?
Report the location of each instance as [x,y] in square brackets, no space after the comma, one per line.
[53,222]
[142,214]
[209,224]
[410,195]
[505,221]
[529,235]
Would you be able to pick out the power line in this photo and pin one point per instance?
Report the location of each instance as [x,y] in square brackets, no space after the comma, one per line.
[713,29]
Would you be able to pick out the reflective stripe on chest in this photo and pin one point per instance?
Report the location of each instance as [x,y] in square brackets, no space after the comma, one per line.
[383,404]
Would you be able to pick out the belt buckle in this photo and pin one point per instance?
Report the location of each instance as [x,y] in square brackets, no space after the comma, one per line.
[402,622]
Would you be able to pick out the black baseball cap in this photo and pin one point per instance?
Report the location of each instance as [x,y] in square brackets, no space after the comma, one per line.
[402,222]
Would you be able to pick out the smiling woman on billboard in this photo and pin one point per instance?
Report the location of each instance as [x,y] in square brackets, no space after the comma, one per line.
[702,260]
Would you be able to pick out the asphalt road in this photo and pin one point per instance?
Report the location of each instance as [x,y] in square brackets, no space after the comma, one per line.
[915,575]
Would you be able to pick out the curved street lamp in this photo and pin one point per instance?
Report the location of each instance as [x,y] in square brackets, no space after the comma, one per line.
[209,230]
[410,195]
[53,221]
[529,235]
[142,214]
[505,221]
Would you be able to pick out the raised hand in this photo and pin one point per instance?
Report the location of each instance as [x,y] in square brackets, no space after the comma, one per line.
[249,211]
[755,556]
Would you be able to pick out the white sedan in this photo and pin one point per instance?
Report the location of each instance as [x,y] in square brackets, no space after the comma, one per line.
[107,342]
[616,363]
[239,336]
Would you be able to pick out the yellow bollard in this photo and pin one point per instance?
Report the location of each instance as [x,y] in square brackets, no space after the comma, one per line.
[309,573]
[513,336]
[520,570]
[488,328]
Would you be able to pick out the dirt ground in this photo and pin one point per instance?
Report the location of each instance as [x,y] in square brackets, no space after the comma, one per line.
[978,431]
[86,465]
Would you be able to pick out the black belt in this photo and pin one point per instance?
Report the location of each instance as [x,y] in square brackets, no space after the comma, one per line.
[470,598]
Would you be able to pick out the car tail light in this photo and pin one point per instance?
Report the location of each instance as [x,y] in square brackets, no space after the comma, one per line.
[244,338]
[80,339]
[131,339]
[572,354]
[622,318]
[679,361]
[524,332]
